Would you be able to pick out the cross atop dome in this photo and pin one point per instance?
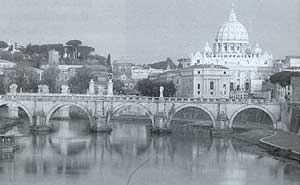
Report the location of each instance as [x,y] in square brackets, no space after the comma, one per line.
[232,16]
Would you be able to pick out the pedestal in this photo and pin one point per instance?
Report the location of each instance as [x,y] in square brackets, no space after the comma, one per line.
[100,126]
[160,125]
[40,125]
[222,127]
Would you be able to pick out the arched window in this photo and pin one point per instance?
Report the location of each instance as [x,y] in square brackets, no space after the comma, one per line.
[231,86]
[211,85]
[247,86]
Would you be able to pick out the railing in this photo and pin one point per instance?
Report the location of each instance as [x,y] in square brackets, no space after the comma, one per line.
[128,98]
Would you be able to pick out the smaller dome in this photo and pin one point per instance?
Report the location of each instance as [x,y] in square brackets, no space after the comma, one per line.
[257,49]
[207,48]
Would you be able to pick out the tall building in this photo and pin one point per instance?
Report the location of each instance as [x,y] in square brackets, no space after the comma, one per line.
[233,50]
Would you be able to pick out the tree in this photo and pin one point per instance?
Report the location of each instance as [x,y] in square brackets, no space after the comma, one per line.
[18,57]
[84,51]
[6,55]
[118,87]
[80,82]
[50,78]
[151,88]
[3,44]
[169,88]
[283,78]
[24,77]
[74,43]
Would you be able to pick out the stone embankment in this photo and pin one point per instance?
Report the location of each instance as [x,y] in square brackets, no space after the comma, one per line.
[278,143]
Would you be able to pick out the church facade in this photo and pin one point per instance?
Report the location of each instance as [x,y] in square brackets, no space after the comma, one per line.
[247,65]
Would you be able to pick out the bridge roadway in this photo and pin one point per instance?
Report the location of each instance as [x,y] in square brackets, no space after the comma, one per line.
[100,109]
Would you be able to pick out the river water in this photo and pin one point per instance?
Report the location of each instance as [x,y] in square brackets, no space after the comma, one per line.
[131,155]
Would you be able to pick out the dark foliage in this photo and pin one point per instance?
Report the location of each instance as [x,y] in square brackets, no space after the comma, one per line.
[283,78]
[50,78]
[80,82]
[118,87]
[151,88]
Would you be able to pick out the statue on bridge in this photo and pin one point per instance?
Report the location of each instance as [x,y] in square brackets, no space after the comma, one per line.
[64,89]
[43,89]
[13,88]
[91,87]
[161,91]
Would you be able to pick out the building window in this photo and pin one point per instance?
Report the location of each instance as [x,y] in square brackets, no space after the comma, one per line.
[238,87]
[198,86]
[198,92]
[211,93]
[247,86]
[224,86]
[198,61]
[211,85]
[231,86]
[224,72]
[199,72]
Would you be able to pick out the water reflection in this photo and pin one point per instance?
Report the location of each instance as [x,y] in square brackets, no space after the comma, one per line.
[73,156]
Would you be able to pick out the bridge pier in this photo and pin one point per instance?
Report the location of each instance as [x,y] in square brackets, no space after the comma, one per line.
[221,126]
[100,125]
[160,124]
[39,124]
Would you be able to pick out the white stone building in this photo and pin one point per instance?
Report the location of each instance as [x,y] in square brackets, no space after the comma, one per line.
[232,49]
[143,72]
[204,81]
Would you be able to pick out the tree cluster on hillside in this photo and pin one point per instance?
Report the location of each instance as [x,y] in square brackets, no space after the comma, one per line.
[42,50]
[151,88]
[13,57]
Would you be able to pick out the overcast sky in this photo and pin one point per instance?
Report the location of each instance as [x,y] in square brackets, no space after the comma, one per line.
[144,31]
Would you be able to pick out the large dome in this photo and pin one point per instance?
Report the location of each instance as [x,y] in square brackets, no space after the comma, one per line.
[232,31]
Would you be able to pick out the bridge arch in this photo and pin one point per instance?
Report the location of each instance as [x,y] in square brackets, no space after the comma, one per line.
[210,114]
[56,107]
[20,105]
[253,107]
[125,105]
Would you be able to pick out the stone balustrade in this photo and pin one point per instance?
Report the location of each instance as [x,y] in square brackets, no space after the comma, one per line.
[86,97]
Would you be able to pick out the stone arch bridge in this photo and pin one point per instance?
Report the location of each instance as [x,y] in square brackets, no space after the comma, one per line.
[100,109]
